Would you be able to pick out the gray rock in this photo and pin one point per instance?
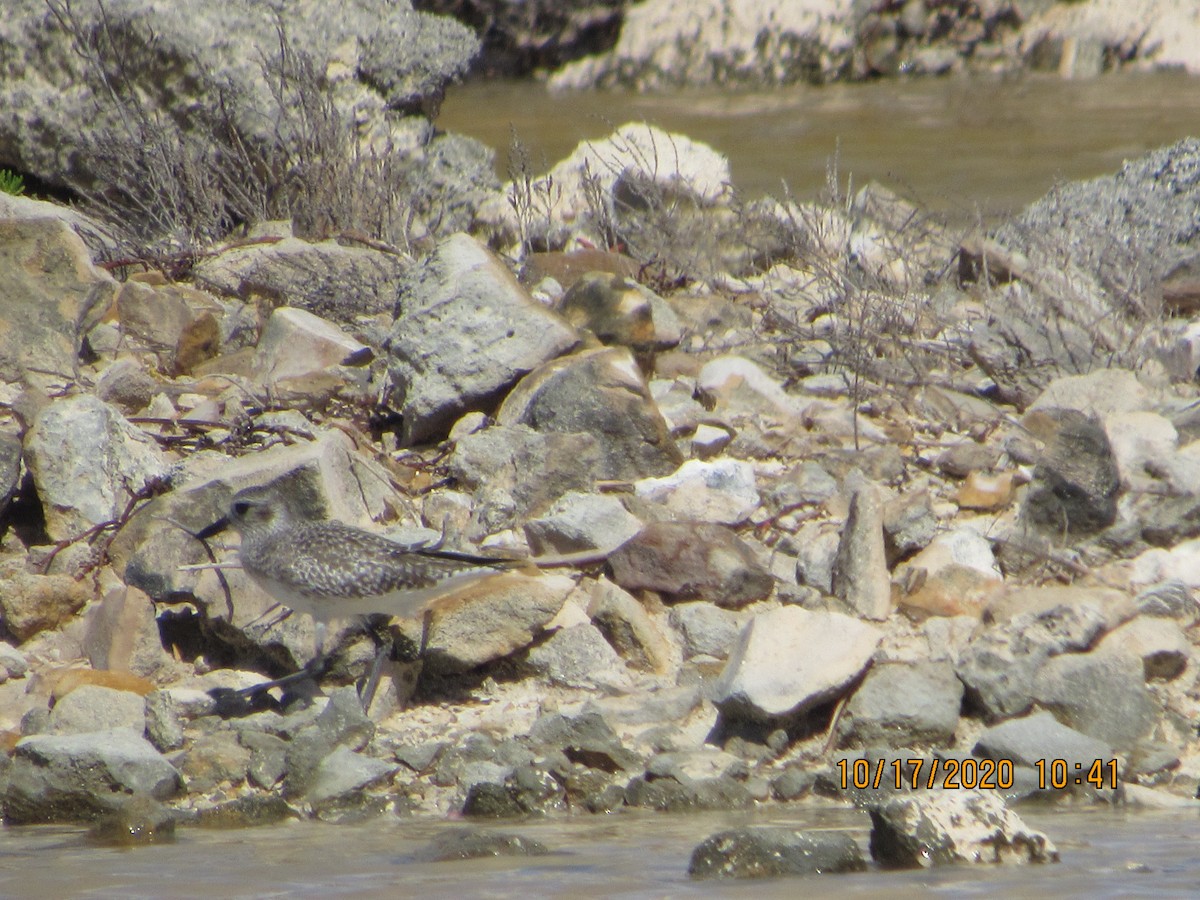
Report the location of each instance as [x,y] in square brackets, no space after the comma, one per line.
[495,464]
[164,726]
[1040,736]
[122,633]
[721,491]
[474,627]
[465,330]
[1000,665]
[470,843]
[578,522]
[529,789]
[87,461]
[1076,481]
[342,723]
[77,777]
[860,571]
[707,629]
[296,344]
[774,852]
[586,739]
[687,560]
[618,310]
[175,324]
[139,821]
[328,278]
[13,663]
[53,296]
[213,761]
[128,385]
[668,795]
[629,628]
[268,758]
[32,603]
[93,708]
[788,660]
[903,705]
[344,773]
[579,656]
[603,393]
[248,811]
[1158,642]
[908,524]
[1171,599]
[1101,694]
[935,828]
[10,468]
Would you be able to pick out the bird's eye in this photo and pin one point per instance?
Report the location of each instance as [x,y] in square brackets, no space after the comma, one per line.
[240,508]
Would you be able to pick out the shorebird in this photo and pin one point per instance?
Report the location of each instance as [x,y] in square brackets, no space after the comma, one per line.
[331,570]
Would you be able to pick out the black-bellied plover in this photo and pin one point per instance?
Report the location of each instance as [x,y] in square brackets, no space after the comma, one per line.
[331,570]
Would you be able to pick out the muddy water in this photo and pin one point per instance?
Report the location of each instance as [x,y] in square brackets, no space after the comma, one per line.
[964,147]
[1105,853]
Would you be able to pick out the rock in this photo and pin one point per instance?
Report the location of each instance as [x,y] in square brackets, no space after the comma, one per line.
[1169,599]
[495,463]
[1040,736]
[51,299]
[478,625]
[750,45]
[955,575]
[668,795]
[341,724]
[1102,695]
[860,572]
[586,739]
[567,268]
[248,811]
[961,459]
[93,708]
[774,852]
[10,468]
[738,390]
[707,629]
[602,393]
[127,384]
[818,555]
[470,843]
[77,777]
[1159,643]
[465,330]
[1000,665]
[1096,394]
[87,462]
[708,440]
[935,828]
[330,279]
[344,773]
[903,705]
[618,310]
[527,790]
[31,603]
[788,660]
[122,633]
[139,821]
[908,525]
[629,628]
[295,344]
[1180,564]
[687,560]
[1142,444]
[578,522]
[1076,481]
[164,726]
[985,492]
[579,657]
[177,324]
[213,761]
[723,491]
[13,663]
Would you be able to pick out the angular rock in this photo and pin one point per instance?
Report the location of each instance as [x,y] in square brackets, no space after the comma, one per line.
[601,393]
[295,343]
[330,279]
[903,705]
[87,462]
[1158,642]
[465,330]
[178,324]
[707,629]
[629,628]
[723,491]
[77,777]
[774,852]
[1076,481]
[985,493]
[1099,393]
[213,761]
[1102,695]
[687,560]
[469,843]
[50,299]
[344,773]
[93,708]
[578,522]
[738,389]
[908,524]
[476,626]
[122,633]
[586,739]
[789,660]
[30,604]
[860,570]
[580,657]
[10,468]
[618,310]
[1040,736]
[1169,599]
[955,575]
[936,828]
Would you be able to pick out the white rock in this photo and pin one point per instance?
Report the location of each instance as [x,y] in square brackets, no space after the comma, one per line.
[722,491]
[1142,442]
[579,521]
[1099,393]
[740,388]
[295,343]
[1180,563]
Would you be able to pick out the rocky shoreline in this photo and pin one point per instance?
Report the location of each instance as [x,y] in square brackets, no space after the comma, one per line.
[875,513]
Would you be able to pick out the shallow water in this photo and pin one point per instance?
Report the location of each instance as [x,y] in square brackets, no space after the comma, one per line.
[1105,853]
[963,146]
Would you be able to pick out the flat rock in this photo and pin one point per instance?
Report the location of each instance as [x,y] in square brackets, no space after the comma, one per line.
[936,828]
[1102,695]
[343,773]
[687,560]
[296,343]
[722,491]
[471,843]
[903,705]
[737,389]
[774,852]
[1039,736]
[87,461]
[580,521]
[788,660]
[707,629]
[77,777]
[465,330]
[95,708]
[579,657]
[176,323]
[492,620]
[1159,643]
[601,393]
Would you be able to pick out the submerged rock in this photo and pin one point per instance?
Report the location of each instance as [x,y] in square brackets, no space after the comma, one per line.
[773,852]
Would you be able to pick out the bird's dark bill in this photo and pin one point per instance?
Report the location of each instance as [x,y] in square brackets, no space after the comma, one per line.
[215,528]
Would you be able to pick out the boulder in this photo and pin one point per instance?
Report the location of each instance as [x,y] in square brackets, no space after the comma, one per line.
[860,570]
[774,852]
[903,705]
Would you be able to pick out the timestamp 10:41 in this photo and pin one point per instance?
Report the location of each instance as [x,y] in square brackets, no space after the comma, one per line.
[1058,774]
